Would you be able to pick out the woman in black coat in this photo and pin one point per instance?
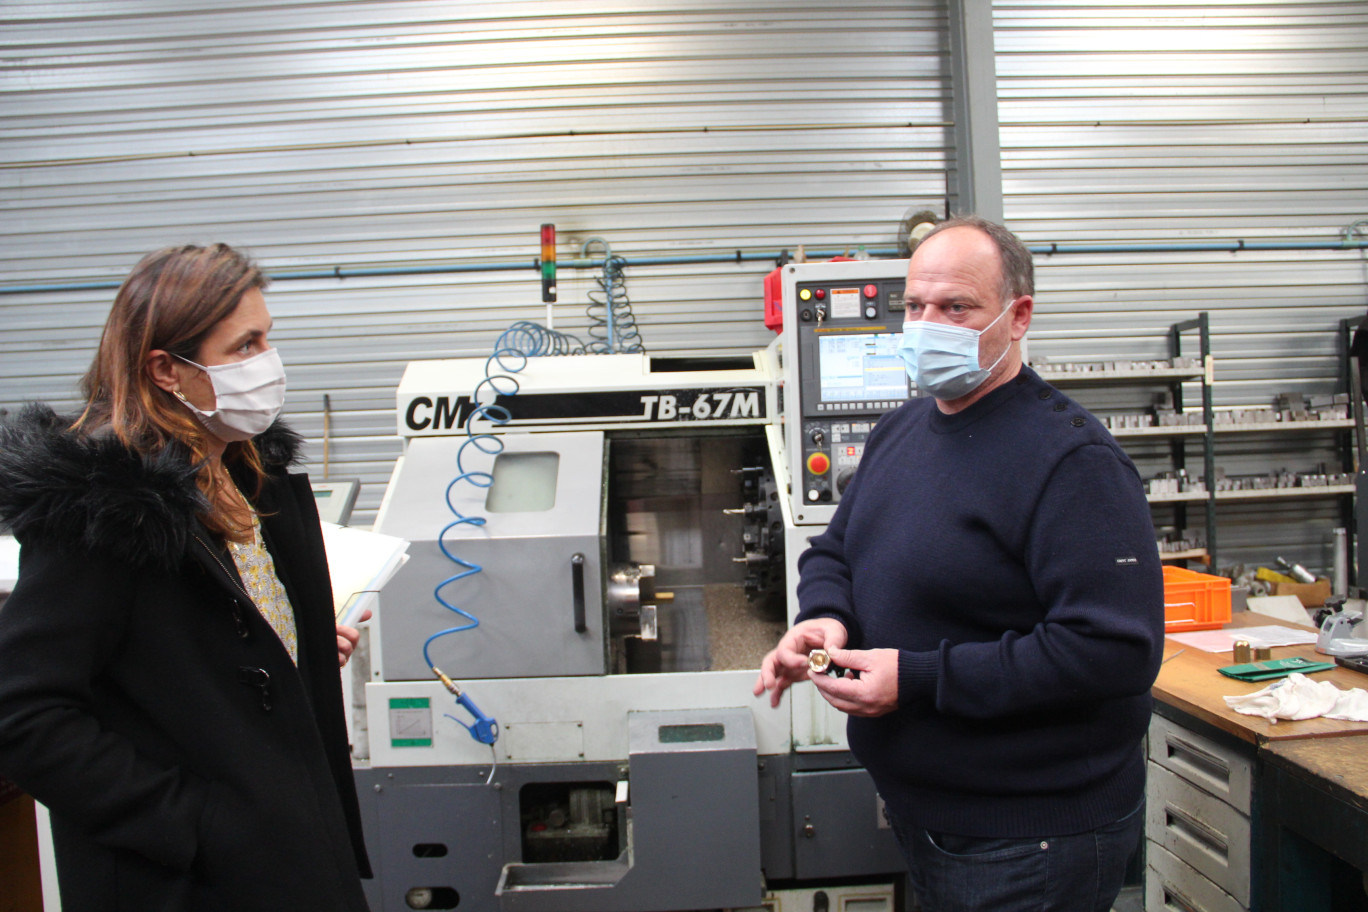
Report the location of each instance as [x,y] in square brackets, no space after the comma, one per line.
[169,682]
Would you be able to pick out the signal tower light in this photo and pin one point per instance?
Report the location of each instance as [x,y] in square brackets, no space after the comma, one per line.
[548,263]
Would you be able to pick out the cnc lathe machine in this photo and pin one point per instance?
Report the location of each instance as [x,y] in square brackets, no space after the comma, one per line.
[557,712]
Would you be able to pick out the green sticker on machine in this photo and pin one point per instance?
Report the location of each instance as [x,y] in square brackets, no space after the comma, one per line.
[691,734]
[410,722]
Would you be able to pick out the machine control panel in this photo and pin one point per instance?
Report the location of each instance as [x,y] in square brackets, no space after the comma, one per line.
[843,321]
[831,460]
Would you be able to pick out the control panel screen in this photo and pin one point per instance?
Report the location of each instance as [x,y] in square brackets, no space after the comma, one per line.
[860,367]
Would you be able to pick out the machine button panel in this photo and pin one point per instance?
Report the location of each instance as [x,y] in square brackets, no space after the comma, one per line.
[831,456]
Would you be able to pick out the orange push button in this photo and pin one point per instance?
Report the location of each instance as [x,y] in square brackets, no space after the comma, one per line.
[818,463]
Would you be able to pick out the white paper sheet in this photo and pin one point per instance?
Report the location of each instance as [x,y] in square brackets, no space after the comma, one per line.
[361,562]
[9,562]
[1223,640]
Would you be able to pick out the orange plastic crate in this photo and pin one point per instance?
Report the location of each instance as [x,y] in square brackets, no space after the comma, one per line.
[1194,601]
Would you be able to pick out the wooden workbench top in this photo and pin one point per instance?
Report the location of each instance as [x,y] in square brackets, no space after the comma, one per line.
[1190,682]
[1337,765]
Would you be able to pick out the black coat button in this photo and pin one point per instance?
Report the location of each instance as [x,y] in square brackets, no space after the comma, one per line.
[1078,422]
[259,678]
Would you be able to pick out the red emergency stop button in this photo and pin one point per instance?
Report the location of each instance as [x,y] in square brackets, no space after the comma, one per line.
[871,290]
[818,463]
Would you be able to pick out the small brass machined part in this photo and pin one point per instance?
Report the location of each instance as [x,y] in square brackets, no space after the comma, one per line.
[819,661]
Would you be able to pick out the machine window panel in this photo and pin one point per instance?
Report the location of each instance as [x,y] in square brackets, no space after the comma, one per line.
[523,483]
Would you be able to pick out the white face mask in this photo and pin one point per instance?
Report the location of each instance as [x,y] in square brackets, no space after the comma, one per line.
[248,395]
[944,359]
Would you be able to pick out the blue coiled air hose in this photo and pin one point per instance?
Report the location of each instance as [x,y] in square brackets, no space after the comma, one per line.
[509,361]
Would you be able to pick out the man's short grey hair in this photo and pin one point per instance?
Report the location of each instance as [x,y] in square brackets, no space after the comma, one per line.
[1018,272]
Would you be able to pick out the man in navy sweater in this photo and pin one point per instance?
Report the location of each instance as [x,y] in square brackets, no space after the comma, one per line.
[991,583]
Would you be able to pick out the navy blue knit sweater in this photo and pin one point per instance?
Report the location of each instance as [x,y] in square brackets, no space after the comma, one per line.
[1007,552]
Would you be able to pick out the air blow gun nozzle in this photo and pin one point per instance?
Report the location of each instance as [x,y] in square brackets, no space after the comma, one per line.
[485,729]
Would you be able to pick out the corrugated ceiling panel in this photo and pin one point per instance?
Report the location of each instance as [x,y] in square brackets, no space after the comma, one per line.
[1177,122]
[373,133]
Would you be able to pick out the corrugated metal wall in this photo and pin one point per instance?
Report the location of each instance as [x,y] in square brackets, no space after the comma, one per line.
[409,132]
[372,133]
[1177,123]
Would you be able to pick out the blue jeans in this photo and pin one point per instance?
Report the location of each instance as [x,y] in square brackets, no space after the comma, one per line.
[1082,872]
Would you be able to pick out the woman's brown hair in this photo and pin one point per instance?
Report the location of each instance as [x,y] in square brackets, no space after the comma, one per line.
[170,301]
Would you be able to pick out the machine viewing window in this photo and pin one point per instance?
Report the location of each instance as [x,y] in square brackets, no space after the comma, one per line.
[860,367]
[523,483]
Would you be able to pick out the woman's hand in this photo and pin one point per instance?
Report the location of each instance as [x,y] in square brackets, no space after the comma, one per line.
[347,637]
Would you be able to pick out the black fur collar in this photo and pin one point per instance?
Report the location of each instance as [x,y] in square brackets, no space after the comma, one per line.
[90,492]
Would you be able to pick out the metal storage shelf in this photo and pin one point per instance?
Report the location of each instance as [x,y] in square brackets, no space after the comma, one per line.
[1173,378]
[1277,493]
[1267,427]
[1192,554]
[1171,430]
[1208,431]
[1184,497]
[1254,494]
[1062,378]
[1331,424]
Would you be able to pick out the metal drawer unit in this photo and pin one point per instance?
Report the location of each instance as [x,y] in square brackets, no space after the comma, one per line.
[1197,822]
[1174,886]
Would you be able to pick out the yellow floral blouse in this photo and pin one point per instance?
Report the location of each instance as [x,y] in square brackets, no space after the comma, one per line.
[257,569]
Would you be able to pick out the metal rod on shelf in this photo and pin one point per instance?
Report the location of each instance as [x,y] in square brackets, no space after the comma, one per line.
[1208,440]
[1345,243]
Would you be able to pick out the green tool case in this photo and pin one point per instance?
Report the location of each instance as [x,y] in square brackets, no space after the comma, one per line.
[1273,668]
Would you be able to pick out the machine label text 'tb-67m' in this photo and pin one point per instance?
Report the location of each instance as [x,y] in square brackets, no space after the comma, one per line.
[446,414]
[695,405]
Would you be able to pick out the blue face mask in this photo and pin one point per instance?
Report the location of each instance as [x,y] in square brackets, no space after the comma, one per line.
[944,359]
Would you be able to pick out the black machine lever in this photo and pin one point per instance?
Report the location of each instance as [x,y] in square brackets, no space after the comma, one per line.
[577,582]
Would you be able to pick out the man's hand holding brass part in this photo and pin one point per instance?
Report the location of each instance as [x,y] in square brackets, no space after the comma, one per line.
[787,663]
[869,686]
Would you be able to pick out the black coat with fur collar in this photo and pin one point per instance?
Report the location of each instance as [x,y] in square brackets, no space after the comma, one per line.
[188,764]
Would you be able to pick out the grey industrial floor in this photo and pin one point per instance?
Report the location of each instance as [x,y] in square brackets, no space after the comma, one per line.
[1132,899]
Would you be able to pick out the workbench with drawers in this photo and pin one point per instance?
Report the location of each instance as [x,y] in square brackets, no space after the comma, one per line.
[1247,814]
